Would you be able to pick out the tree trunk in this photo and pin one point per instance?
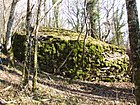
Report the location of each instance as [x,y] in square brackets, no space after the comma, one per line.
[86,34]
[4,22]
[45,18]
[36,47]
[56,13]
[134,37]
[27,63]
[92,12]
[10,22]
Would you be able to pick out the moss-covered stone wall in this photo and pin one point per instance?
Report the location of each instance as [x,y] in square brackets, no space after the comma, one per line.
[101,61]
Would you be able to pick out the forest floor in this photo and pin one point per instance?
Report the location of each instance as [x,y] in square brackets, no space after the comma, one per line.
[56,90]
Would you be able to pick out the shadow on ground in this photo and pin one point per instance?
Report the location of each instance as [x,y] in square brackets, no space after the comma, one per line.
[89,89]
[80,88]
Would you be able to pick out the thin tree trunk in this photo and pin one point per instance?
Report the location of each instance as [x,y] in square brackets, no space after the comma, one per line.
[56,13]
[4,22]
[134,37]
[36,47]
[86,34]
[45,18]
[25,72]
[99,20]
[77,17]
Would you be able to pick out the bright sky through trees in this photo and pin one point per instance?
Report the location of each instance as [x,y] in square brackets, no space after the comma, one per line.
[138,7]
[23,2]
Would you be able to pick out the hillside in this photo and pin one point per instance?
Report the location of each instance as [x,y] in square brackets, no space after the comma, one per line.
[55,90]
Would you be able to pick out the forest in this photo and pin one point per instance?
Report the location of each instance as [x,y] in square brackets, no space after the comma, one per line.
[69,52]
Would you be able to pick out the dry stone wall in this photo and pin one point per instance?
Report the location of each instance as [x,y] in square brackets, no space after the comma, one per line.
[57,55]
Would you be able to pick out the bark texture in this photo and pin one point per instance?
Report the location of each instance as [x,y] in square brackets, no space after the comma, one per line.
[27,63]
[91,4]
[10,24]
[8,43]
[134,37]
[36,48]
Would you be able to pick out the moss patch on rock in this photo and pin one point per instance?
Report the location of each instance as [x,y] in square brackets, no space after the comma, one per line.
[60,52]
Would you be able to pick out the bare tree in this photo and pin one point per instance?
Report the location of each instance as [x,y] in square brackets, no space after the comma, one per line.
[86,32]
[10,22]
[75,14]
[4,21]
[4,11]
[134,37]
[92,6]
[106,24]
[118,24]
[45,20]
[36,47]
[27,63]
[56,14]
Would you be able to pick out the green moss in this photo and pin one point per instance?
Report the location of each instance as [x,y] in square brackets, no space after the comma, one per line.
[55,46]
[108,79]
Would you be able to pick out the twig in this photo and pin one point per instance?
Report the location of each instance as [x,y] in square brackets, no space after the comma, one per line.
[65,60]
[2,101]
[5,89]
